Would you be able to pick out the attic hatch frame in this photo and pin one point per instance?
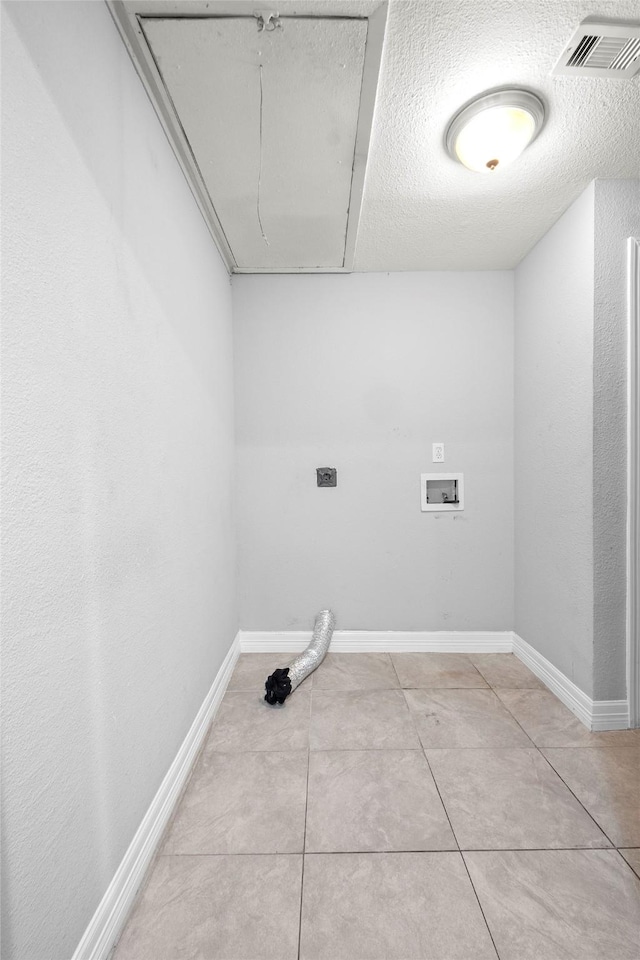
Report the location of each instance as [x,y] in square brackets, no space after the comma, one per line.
[129,17]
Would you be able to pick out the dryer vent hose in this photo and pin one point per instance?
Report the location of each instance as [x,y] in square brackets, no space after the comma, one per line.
[284,681]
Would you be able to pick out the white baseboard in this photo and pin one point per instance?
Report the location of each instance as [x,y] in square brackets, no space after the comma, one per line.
[382,641]
[610,715]
[109,919]
[595,714]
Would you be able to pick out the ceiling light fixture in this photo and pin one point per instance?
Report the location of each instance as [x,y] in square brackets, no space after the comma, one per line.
[492,130]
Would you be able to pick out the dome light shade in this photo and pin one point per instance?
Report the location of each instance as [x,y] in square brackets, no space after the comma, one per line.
[491,131]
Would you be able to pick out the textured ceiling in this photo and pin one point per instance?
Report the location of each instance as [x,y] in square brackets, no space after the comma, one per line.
[424,211]
[421,210]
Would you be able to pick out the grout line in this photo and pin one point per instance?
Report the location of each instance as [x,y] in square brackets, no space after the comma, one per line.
[304,837]
[480,905]
[562,780]
[381,853]
[460,853]
[432,686]
[259,853]
[578,849]
[441,800]
[634,870]
[499,698]
[376,853]
[424,754]
[393,667]
[586,810]
[595,748]
[285,749]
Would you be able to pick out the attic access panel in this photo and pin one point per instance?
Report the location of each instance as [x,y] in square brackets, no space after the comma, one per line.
[271,119]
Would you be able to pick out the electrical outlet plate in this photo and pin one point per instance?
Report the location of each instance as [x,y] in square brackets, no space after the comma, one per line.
[441,492]
[437,453]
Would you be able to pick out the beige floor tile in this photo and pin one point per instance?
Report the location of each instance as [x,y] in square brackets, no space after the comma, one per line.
[252,670]
[509,799]
[217,908]
[607,782]
[245,722]
[558,904]
[464,718]
[633,859]
[391,906]
[361,720]
[505,670]
[374,800]
[355,671]
[242,803]
[436,670]
[550,724]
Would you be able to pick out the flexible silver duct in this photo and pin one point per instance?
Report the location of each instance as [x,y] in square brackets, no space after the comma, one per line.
[284,681]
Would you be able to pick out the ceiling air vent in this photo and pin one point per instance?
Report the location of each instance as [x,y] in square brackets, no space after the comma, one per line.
[601,50]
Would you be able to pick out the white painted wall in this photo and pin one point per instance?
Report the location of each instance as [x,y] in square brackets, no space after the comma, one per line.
[570,427]
[554,444]
[363,373]
[617,216]
[119,592]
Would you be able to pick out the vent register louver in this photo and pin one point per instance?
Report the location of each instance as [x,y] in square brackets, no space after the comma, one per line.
[601,50]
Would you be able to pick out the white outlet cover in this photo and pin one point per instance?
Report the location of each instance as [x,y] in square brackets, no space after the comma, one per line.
[437,453]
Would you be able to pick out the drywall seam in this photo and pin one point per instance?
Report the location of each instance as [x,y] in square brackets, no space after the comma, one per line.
[109,919]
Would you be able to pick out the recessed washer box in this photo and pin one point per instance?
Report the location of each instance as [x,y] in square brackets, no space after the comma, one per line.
[441,492]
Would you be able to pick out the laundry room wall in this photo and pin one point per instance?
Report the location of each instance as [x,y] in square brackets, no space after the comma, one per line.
[118,544]
[571,346]
[363,373]
[617,217]
[554,329]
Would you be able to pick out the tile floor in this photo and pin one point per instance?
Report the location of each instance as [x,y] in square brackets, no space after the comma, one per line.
[399,807]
